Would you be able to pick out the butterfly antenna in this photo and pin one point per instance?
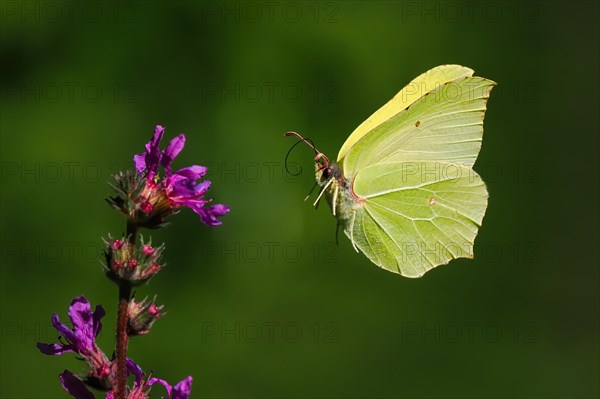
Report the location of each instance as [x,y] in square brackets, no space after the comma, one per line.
[318,154]
[301,139]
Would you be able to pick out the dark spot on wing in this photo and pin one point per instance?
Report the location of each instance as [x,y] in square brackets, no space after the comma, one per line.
[417,123]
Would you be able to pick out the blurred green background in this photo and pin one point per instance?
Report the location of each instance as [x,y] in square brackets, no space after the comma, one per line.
[267,305]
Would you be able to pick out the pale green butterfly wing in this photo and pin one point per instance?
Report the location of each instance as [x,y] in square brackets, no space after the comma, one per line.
[445,125]
[416,215]
[416,89]
[419,202]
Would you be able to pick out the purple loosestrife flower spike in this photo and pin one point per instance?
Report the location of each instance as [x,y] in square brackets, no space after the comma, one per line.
[175,189]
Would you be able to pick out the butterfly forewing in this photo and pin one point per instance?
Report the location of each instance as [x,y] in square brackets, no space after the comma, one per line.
[446,125]
[416,89]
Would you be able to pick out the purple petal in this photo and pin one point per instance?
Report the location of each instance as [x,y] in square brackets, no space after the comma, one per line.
[96,317]
[196,205]
[209,215]
[173,149]
[132,367]
[174,180]
[164,383]
[64,330]
[81,316]
[140,162]
[74,386]
[80,312]
[159,130]
[182,389]
[153,154]
[202,187]
[193,172]
[187,189]
[54,349]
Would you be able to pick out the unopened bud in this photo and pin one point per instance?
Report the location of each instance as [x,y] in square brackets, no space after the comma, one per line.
[133,264]
[141,316]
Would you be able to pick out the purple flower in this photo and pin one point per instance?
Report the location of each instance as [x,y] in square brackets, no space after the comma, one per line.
[76,387]
[180,188]
[81,339]
[180,391]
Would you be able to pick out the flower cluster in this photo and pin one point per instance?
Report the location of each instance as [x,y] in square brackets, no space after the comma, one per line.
[146,200]
[81,340]
[134,264]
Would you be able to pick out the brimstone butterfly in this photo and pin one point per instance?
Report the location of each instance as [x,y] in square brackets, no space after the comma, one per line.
[403,189]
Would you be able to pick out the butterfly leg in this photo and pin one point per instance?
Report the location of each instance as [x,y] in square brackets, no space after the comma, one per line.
[335,196]
[352,231]
[322,191]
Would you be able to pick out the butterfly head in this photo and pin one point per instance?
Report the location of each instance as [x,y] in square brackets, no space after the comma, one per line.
[325,169]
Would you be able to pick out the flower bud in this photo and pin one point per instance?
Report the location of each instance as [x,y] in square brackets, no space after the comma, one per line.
[141,316]
[130,263]
[142,201]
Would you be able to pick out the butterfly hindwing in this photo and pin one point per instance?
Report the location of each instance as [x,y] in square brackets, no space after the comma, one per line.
[416,216]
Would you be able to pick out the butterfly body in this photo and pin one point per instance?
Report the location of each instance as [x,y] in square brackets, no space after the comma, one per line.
[337,191]
[403,189]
